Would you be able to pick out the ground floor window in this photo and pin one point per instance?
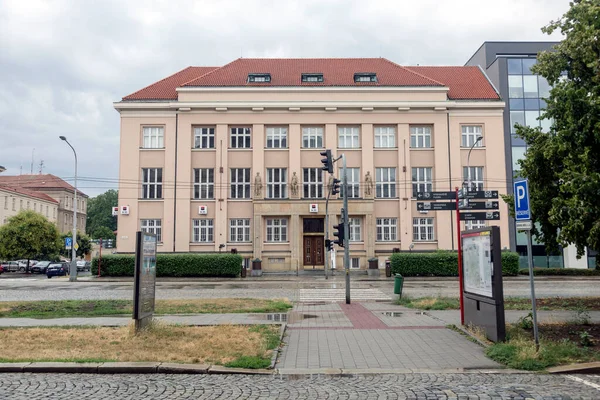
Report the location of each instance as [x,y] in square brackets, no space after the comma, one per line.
[386,229]
[152,226]
[423,229]
[202,231]
[277,230]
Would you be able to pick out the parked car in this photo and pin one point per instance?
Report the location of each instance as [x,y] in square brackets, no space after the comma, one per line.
[57,269]
[40,267]
[10,266]
[83,265]
[23,264]
[1,270]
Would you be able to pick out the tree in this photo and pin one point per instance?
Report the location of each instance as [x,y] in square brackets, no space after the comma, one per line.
[103,232]
[99,211]
[563,165]
[84,241]
[28,235]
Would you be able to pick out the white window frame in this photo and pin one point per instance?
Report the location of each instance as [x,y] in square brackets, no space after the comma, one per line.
[202,231]
[277,137]
[148,184]
[348,137]
[6,202]
[204,183]
[276,230]
[204,137]
[152,226]
[385,183]
[312,187]
[420,137]
[153,137]
[277,189]
[422,180]
[353,183]
[240,188]
[476,176]
[239,230]
[355,229]
[423,230]
[240,137]
[312,137]
[469,134]
[387,229]
[385,137]
[475,224]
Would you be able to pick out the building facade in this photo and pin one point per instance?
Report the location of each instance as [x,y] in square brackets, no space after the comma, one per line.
[55,188]
[221,158]
[15,200]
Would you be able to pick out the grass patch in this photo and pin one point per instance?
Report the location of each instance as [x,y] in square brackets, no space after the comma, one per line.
[221,344]
[95,308]
[251,362]
[430,303]
[510,303]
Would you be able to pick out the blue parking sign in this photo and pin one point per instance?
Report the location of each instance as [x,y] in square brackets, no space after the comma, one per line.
[521,193]
[68,242]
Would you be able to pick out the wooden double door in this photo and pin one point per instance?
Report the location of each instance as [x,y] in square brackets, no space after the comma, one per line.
[314,251]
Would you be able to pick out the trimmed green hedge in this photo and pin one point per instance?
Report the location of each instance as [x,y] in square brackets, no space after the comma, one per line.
[226,265]
[442,263]
[561,271]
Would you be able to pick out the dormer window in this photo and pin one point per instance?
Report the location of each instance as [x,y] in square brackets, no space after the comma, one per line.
[365,77]
[260,78]
[312,77]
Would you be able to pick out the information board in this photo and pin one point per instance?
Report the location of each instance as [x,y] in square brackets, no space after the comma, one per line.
[145,276]
[477,263]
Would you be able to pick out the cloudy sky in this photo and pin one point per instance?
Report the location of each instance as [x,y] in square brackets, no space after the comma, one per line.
[64,62]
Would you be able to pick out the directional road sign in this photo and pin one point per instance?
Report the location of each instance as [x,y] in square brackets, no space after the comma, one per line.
[436,195]
[524,225]
[482,194]
[68,243]
[479,216]
[483,205]
[521,190]
[451,205]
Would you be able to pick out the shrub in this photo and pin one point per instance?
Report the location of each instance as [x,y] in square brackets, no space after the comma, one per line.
[561,271]
[226,265]
[442,263]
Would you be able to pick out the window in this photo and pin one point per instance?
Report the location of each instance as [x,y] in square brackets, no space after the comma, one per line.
[277,230]
[518,153]
[474,224]
[475,176]
[262,78]
[6,202]
[470,133]
[28,204]
[354,229]
[313,183]
[530,86]
[202,231]
[312,137]
[276,138]
[154,137]
[312,77]
[348,137]
[152,183]
[386,229]
[353,183]
[385,186]
[46,211]
[276,183]
[365,77]
[204,183]
[34,206]
[385,136]
[14,204]
[423,229]
[420,137]
[531,118]
[20,204]
[355,262]
[240,183]
[204,138]
[152,226]
[54,213]
[240,138]
[239,230]
[421,180]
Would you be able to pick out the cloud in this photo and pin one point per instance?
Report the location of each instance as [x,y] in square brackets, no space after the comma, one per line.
[64,62]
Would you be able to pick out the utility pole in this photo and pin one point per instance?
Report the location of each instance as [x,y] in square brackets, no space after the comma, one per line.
[346,229]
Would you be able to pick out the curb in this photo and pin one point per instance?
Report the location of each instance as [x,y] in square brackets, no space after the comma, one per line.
[276,351]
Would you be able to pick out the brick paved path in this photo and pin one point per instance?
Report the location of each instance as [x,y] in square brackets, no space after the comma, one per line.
[403,386]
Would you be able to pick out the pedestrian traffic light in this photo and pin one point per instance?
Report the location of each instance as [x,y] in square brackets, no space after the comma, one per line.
[335,186]
[327,161]
[329,244]
[339,232]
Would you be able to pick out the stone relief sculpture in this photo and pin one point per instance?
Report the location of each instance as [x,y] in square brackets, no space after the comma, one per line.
[368,184]
[257,186]
[294,185]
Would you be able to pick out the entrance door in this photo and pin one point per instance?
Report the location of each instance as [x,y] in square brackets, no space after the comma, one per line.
[314,247]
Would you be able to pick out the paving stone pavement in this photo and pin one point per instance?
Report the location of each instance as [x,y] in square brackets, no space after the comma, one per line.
[400,386]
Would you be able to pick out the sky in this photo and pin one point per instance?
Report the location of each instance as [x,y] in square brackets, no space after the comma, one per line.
[64,62]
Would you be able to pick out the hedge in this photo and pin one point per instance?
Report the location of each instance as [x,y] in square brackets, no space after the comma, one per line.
[561,271]
[219,265]
[442,263]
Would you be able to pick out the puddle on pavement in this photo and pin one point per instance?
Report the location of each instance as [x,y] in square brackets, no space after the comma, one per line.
[392,314]
[290,317]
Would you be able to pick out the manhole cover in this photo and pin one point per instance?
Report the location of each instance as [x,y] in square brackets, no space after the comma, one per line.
[392,314]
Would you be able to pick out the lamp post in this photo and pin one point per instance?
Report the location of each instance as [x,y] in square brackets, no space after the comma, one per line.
[469,162]
[73,268]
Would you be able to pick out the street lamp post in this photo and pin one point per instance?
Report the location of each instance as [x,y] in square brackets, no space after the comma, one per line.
[73,268]
[469,162]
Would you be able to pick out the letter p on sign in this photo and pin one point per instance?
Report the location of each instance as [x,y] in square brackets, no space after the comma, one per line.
[522,210]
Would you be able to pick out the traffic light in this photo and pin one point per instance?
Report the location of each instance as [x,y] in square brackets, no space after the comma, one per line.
[328,244]
[335,186]
[339,232]
[327,161]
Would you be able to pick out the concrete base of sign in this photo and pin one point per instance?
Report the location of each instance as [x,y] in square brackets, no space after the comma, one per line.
[142,323]
[256,272]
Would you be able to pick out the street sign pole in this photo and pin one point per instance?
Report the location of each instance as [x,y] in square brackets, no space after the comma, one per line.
[346,230]
[531,283]
[460,277]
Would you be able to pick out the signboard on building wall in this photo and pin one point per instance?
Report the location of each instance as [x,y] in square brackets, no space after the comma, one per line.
[145,279]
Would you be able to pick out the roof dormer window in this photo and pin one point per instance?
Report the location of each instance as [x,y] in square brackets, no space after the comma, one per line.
[259,78]
[365,77]
[312,77]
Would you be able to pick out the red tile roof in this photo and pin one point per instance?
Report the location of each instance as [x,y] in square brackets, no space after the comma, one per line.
[465,83]
[336,72]
[45,181]
[30,193]
[165,88]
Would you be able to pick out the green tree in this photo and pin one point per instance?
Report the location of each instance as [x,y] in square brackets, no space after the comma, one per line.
[99,211]
[28,235]
[84,241]
[563,165]
[103,232]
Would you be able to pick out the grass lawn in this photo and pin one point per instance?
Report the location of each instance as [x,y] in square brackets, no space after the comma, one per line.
[510,303]
[95,308]
[230,345]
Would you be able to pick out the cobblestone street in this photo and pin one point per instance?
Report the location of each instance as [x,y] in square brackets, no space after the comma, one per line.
[408,386]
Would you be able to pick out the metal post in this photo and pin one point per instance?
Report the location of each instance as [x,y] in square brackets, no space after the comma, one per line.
[73,269]
[460,278]
[533,302]
[326,236]
[346,229]
[99,259]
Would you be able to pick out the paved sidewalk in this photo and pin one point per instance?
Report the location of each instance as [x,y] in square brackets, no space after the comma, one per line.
[512,316]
